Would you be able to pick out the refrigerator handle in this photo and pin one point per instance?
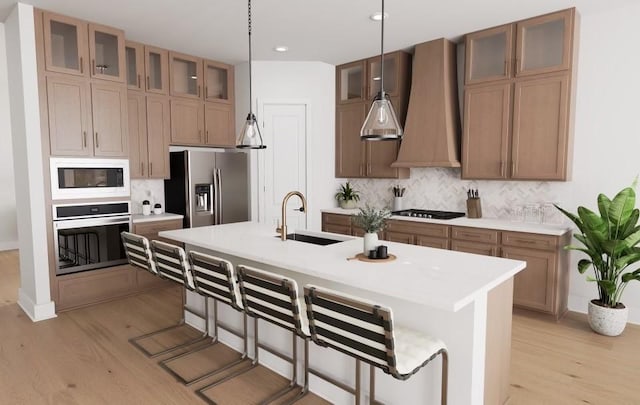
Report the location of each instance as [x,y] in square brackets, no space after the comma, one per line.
[219,195]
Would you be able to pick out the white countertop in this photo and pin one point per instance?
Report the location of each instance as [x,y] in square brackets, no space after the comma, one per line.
[165,216]
[487,223]
[438,278]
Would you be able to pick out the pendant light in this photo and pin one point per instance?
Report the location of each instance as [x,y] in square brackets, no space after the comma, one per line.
[250,136]
[382,123]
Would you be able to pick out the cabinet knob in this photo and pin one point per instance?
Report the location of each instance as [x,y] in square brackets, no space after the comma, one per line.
[148,85]
[150,168]
[97,140]
[93,66]
[142,168]
[138,80]
[81,66]
[84,139]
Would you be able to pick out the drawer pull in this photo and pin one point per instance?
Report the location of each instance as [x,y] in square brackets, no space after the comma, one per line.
[525,241]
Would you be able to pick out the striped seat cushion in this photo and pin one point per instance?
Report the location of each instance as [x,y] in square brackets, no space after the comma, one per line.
[216,278]
[171,263]
[272,297]
[137,250]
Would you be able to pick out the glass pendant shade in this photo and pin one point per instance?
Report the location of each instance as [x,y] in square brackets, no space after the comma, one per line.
[381,123]
[250,136]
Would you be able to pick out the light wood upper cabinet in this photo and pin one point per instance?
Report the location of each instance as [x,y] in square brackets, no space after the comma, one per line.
[219,125]
[156,68]
[351,83]
[185,75]
[392,74]
[349,147]
[110,122]
[159,134]
[106,49]
[489,54]
[540,128]
[486,132]
[219,82]
[544,43]
[187,122]
[134,62]
[69,108]
[65,44]
[137,121]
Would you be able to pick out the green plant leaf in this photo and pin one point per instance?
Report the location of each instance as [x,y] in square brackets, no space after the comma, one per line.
[608,286]
[583,265]
[575,219]
[631,225]
[631,276]
[621,207]
[632,240]
[591,279]
[614,247]
[604,203]
[626,260]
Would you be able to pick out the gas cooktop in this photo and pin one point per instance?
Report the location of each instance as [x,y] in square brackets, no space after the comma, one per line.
[429,214]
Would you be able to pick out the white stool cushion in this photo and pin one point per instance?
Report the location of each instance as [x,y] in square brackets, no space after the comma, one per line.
[413,348]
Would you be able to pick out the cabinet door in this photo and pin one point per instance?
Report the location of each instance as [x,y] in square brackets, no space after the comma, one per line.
[485,138]
[69,116]
[428,241]
[185,75]
[65,44]
[474,247]
[159,134]
[540,129]
[106,49]
[109,105]
[534,286]
[400,237]
[219,125]
[187,122]
[380,155]
[134,58]
[137,119]
[489,54]
[218,82]
[544,44]
[349,147]
[391,75]
[351,83]
[341,229]
[156,68]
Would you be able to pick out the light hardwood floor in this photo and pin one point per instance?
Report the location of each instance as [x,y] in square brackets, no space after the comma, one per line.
[9,277]
[83,357]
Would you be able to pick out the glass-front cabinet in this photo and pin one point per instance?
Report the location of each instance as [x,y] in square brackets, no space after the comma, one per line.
[65,43]
[544,43]
[391,77]
[156,65]
[185,75]
[218,82]
[134,58]
[489,55]
[351,82]
[106,49]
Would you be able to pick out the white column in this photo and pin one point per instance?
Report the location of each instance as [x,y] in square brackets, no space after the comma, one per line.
[34,295]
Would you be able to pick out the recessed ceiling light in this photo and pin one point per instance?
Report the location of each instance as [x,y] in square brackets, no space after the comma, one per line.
[281,48]
[377,16]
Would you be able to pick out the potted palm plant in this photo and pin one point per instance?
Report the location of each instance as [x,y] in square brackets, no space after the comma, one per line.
[610,239]
[371,221]
[347,197]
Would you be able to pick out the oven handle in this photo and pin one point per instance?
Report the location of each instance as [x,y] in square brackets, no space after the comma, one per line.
[89,222]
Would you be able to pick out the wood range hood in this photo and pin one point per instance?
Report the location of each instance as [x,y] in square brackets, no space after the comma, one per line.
[432,129]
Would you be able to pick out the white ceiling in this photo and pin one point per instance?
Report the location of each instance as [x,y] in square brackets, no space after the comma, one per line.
[332,31]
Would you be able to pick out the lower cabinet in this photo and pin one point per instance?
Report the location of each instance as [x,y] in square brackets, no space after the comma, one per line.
[534,286]
[474,247]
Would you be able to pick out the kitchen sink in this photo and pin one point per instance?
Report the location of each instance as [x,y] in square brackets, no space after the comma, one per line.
[316,240]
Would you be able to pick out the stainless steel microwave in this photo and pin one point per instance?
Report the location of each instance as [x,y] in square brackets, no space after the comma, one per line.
[73,178]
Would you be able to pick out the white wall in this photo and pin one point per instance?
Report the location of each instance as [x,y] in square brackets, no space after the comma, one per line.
[313,81]
[34,294]
[8,220]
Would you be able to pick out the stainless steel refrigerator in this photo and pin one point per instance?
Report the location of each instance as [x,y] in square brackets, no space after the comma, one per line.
[208,188]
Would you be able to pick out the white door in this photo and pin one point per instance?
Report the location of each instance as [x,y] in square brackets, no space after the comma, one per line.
[284,161]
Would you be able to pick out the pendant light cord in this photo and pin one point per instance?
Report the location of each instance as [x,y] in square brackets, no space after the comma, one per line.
[382,54]
[250,86]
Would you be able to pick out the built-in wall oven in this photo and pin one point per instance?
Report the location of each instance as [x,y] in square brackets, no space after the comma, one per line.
[73,178]
[87,236]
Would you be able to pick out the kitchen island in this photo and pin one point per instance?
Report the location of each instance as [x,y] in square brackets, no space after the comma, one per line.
[463,299]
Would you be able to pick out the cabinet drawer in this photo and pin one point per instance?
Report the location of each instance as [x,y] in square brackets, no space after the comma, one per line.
[474,247]
[152,228]
[530,240]
[341,229]
[475,234]
[399,237]
[95,286]
[336,219]
[417,228]
[428,241]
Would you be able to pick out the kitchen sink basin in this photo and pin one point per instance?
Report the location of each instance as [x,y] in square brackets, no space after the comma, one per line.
[316,240]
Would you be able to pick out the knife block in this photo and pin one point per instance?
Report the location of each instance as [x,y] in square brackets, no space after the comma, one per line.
[474,208]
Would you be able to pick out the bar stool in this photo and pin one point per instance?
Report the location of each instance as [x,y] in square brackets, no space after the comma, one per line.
[365,330]
[213,278]
[166,263]
[274,298]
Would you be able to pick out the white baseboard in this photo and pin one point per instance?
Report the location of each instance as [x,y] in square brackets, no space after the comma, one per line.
[581,304]
[37,312]
[11,245]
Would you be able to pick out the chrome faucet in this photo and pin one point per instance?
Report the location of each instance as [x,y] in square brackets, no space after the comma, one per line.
[283,229]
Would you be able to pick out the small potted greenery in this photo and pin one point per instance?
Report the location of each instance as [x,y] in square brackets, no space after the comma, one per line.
[347,197]
[371,221]
[610,239]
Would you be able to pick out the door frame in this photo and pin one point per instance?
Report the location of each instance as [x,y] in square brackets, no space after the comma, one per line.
[261,183]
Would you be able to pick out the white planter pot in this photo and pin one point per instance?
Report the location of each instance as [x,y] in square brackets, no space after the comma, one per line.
[347,204]
[370,242]
[607,321]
